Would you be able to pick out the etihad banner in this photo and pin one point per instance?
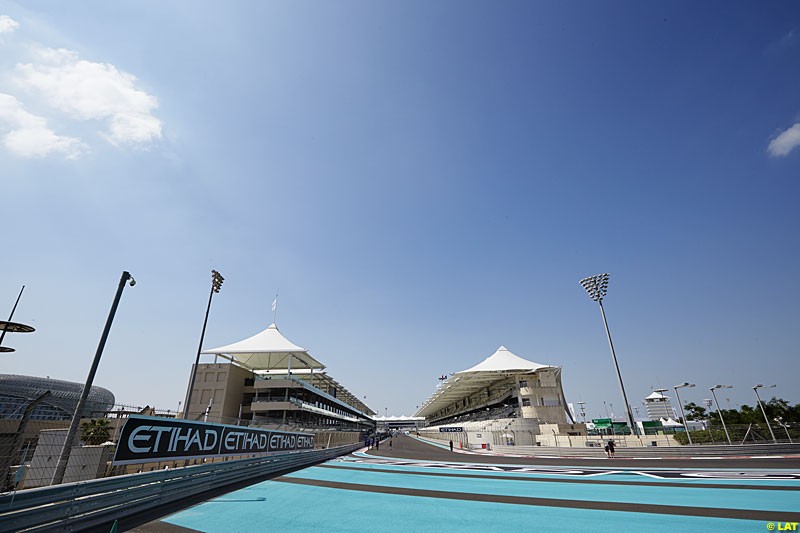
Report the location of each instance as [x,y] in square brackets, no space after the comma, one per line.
[146,439]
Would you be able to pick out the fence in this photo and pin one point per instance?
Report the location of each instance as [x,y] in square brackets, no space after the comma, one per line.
[75,506]
[29,449]
[644,452]
[756,433]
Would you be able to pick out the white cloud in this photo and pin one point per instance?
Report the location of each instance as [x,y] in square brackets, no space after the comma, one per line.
[785,142]
[86,90]
[790,38]
[28,134]
[7,24]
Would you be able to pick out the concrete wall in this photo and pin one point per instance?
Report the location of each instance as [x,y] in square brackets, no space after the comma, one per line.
[85,462]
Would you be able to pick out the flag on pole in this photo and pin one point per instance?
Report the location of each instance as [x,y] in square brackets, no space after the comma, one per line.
[275,303]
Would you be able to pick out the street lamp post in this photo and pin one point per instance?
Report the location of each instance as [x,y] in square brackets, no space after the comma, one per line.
[779,420]
[680,404]
[4,330]
[61,466]
[719,411]
[708,403]
[763,412]
[597,287]
[216,285]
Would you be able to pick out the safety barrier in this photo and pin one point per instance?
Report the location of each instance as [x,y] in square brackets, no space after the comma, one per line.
[76,506]
[655,451]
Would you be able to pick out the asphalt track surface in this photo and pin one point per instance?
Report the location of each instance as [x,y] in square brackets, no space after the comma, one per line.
[417,486]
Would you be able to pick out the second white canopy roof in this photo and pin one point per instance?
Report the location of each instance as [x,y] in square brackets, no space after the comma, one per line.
[503,361]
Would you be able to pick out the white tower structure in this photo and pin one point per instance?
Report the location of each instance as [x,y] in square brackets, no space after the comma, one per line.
[658,406]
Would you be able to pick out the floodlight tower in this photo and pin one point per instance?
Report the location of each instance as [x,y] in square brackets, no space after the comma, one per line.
[216,285]
[597,287]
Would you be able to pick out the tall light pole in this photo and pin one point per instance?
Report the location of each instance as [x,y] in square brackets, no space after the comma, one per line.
[761,405]
[597,287]
[216,285]
[61,466]
[715,387]
[680,404]
[14,327]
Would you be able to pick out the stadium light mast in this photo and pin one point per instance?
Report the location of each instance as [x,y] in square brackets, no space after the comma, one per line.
[719,411]
[597,287]
[216,285]
[66,449]
[583,410]
[680,404]
[763,412]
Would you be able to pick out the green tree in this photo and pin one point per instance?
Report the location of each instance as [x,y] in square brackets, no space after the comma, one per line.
[96,431]
[695,412]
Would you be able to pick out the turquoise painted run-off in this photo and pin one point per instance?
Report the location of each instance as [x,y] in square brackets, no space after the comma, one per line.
[278,505]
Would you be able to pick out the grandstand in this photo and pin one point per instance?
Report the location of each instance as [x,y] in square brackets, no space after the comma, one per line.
[269,381]
[503,394]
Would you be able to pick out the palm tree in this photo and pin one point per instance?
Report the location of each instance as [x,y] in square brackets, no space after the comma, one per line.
[96,431]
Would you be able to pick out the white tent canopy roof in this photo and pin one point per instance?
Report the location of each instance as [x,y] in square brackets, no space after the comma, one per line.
[465,383]
[267,350]
[504,361]
[657,396]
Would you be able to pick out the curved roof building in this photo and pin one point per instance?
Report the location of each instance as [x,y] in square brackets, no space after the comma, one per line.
[17,391]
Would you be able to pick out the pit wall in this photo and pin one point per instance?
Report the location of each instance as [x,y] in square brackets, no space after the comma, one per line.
[528,433]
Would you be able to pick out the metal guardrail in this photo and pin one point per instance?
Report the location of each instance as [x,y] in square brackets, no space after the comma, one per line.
[76,506]
[656,451]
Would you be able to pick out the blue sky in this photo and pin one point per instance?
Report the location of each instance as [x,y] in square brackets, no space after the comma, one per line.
[420,182]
